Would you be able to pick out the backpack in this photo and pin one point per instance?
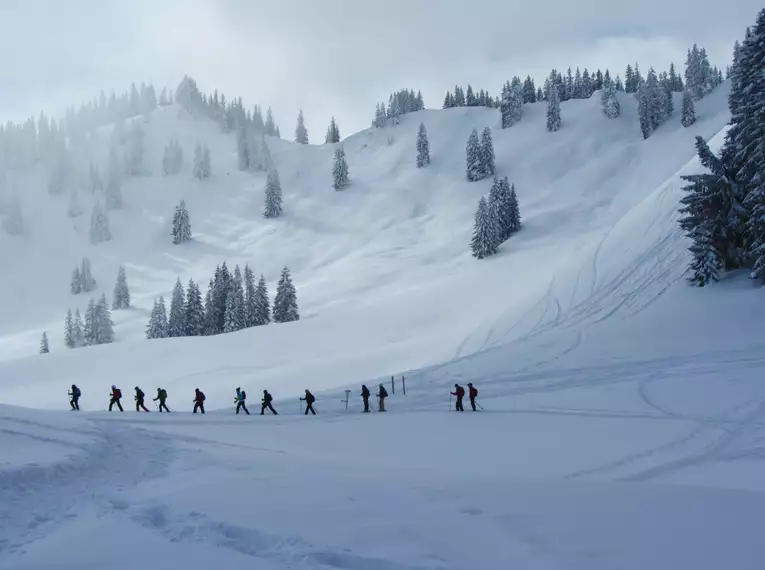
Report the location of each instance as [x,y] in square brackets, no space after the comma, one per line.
[383,392]
[309,398]
[201,396]
[139,393]
[162,394]
[117,393]
[76,392]
[244,395]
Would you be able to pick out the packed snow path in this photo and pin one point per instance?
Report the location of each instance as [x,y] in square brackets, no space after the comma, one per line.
[588,469]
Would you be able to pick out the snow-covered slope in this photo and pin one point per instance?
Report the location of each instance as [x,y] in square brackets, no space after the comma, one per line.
[383,270]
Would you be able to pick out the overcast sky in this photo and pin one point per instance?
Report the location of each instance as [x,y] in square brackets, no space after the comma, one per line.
[337,57]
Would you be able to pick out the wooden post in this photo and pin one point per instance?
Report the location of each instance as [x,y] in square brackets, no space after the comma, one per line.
[347,397]
[403,384]
[393,384]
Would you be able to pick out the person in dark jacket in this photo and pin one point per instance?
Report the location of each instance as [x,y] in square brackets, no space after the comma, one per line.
[199,400]
[161,396]
[473,394]
[267,398]
[460,393]
[241,396]
[382,393]
[309,400]
[116,396]
[75,394]
[139,396]
[365,396]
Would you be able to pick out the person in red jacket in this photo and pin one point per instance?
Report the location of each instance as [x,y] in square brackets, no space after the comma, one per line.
[473,394]
[460,393]
[116,395]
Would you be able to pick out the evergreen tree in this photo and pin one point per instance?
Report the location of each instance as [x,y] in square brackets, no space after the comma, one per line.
[75,206]
[221,287]
[158,326]
[689,110]
[87,282]
[194,311]
[104,326]
[90,325]
[76,283]
[262,314]
[99,225]
[273,201]
[270,127]
[69,338]
[423,147]
[587,84]
[474,166]
[242,148]
[469,97]
[181,224]
[553,110]
[211,323]
[172,159]
[497,204]
[610,103]
[301,133]
[485,239]
[121,296]
[340,170]
[44,349]
[229,320]
[176,323]
[250,305]
[333,133]
[514,212]
[202,163]
[487,154]
[285,302]
[113,183]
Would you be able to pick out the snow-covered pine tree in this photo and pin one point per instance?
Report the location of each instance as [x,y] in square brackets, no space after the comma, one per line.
[75,285]
[487,153]
[172,159]
[333,133]
[157,325]
[553,110]
[113,189]
[90,325]
[77,334]
[181,231]
[237,284]
[104,323]
[689,110]
[75,206]
[13,223]
[222,285]
[474,166]
[206,162]
[262,315]
[273,200]
[242,147]
[270,127]
[87,282]
[99,225]
[202,162]
[513,208]
[423,147]
[250,306]
[301,133]
[69,338]
[194,311]
[121,297]
[229,319]
[176,322]
[497,203]
[211,323]
[285,302]
[644,111]
[609,102]
[44,348]
[340,170]
[485,240]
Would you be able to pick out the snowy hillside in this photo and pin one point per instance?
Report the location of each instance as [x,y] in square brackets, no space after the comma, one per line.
[385,279]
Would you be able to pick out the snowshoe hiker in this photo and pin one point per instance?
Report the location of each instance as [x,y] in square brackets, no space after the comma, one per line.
[161,396]
[241,396]
[139,396]
[472,393]
[460,393]
[267,398]
[309,400]
[381,395]
[116,396]
[75,394]
[365,397]
[199,400]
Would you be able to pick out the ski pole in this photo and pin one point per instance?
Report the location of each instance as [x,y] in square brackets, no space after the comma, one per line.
[477,404]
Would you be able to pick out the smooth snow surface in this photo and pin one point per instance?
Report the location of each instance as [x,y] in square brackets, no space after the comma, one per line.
[624,412]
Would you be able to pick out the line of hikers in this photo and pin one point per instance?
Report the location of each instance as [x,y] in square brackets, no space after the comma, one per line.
[241,397]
